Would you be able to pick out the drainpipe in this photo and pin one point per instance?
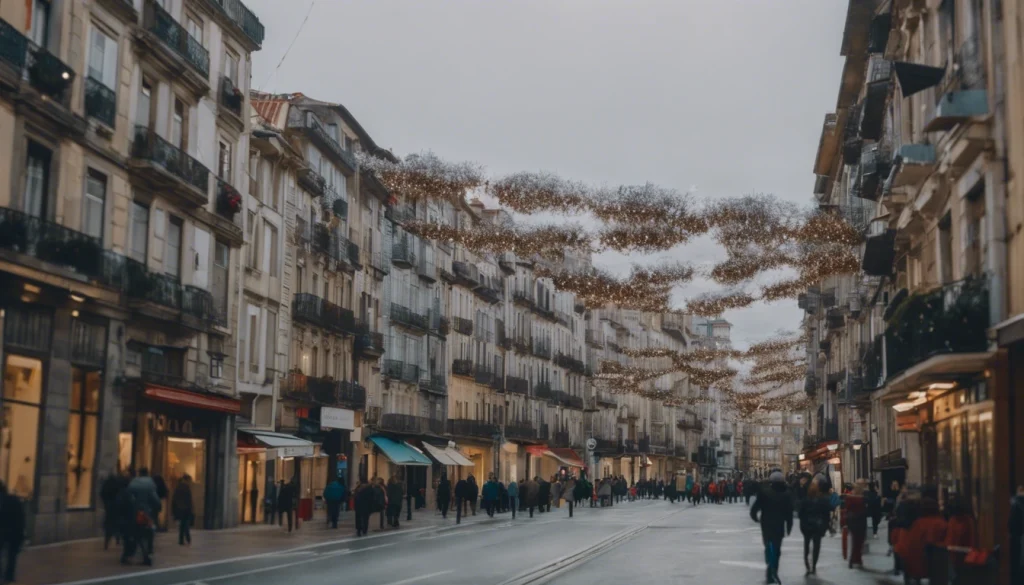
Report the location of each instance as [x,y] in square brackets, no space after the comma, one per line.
[995,207]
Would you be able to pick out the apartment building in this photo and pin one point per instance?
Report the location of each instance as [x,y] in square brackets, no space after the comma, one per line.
[125,140]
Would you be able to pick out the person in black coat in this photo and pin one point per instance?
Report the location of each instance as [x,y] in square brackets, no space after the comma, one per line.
[773,509]
[473,494]
[111,487]
[815,514]
[395,493]
[364,507]
[12,532]
[286,503]
[444,494]
[461,493]
[543,495]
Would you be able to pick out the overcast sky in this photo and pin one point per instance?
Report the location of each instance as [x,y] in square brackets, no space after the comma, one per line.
[724,97]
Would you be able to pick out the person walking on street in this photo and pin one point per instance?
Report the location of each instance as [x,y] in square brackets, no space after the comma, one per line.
[395,493]
[474,494]
[928,529]
[444,494]
[461,493]
[334,493]
[513,497]
[112,486]
[857,523]
[490,494]
[270,502]
[286,503]
[380,499]
[814,516]
[364,507]
[182,509]
[543,495]
[145,504]
[556,492]
[874,504]
[530,491]
[773,509]
[569,489]
[12,533]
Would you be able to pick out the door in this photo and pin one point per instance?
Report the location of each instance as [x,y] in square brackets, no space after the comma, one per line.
[201,253]
[185,456]
[37,180]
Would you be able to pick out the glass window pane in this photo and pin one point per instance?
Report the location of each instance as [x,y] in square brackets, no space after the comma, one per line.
[82,431]
[93,384]
[18,436]
[23,379]
[140,231]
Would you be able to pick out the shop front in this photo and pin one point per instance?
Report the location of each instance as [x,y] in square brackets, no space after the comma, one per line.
[447,460]
[553,461]
[260,455]
[482,456]
[824,459]
[182,435]
[403,461]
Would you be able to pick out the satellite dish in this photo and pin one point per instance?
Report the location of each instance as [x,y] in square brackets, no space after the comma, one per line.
[591,444]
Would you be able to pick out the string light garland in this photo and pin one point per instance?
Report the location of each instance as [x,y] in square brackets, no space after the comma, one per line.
[743,267]
[711,305]
[425,176]
[546,241]
[539,192]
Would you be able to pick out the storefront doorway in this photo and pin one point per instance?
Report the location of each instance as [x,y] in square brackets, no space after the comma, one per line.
[252,482]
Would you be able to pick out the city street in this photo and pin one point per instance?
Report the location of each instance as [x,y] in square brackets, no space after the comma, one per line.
[649,541]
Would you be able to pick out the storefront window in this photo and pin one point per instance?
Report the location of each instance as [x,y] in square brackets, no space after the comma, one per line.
[83,428]
[187,457]
[23,389]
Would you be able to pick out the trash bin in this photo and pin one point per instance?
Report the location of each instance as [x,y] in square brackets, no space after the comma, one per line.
[306,509]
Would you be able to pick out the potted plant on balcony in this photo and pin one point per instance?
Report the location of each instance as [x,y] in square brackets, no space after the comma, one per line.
[13,233]
[47,74]
[230,201]
[340,207]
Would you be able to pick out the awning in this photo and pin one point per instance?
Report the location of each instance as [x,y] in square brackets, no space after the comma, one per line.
[914,78]
[565,456]
[400,453]
[288,445]
[447,456]
[193,399]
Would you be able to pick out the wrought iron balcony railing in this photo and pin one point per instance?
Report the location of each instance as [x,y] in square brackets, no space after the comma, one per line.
[398,370]
[231,97]
[463,326]
[100,102]
[318,312]
[243,17]
[520,430]
[410,424]
[45,72]
[471,428]
[517,385]
[149,146]
[542,391]
[159,22]
[402,315]
[462,368]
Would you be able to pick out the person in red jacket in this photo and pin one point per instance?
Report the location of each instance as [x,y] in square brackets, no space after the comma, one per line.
[856,512]
[960,527]
[928,529]
[712,492]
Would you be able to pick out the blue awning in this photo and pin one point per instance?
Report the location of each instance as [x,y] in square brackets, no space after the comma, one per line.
[400,453]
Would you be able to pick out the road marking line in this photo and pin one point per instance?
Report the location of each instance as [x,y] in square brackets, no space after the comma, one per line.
[421,577]
[747,564]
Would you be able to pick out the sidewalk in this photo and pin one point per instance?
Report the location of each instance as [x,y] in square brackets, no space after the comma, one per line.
[86,559]
[832,568]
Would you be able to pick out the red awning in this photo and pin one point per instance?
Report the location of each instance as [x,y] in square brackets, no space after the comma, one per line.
[536,450]
[193,399]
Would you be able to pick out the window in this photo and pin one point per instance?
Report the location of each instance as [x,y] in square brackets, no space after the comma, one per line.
[332,131]
[103,59]
[231,66]
[224,161]
[946,249]
[143,113]
[270,248]
[270,360]
[83,430]
[221,259]
[178,124]
[93,204]
[253,255]
[37,179]
[254,337]
[19,425]
[140,231]
[40,32]
[216,366]
[172,250]
[194,26]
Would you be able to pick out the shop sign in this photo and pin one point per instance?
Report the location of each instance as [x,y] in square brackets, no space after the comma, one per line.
[303,451]
[167,424]
[337,418]
[908,423]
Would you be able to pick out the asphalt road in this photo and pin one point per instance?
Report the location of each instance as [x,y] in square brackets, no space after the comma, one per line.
[639,542]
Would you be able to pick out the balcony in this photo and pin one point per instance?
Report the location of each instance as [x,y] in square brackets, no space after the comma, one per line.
[312,182]
[405,317]
[644,445]
[242,18]
[605,445]
[401,371]
[490,289]
[726,436]
[594,339]
[628,446]
[464,427]
[559,397]
[173,48]
[462,368]
[379,265]
[466,274]
[876,97]
[541,349]
[198,308]
[334,204]
[100,102]
[317,312]
[852,141]
[507,263]
[463,326]
[226,221]
[522,431]
[369,344]
[400,213]
[169,169]
[524,299]
[427,270]
[559,439]
[570,363]
[575,402]
[542,391]
[937,325]
[879,254]
[914,162]
[232,101]
[410,424]
[436,385]
[962,94]
[957,107]
[871,365]
[402,253]
[606,400]
[125,9]
[835,318]
[516,385]
[37,73]
[485,377]
[875,163]
[313,128]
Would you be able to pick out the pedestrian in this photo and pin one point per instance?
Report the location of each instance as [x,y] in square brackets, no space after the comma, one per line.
[380,499]
[363,500]
[444,494]
[145,504]
[112,486]
[182,509]
[12,533]
[502,497]
[857,523]
[530,492]
[1016,529]
[569,489]
[286,503]
[556,492]
[461,493]
[604,493]
[473,493]
[928,529]
[773,508]
[814,517]
[960,530]
[270,502]
[513,497]
[490,493]
[334,493]
[874,503]
[394,502]
[543,495]
[713,492]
